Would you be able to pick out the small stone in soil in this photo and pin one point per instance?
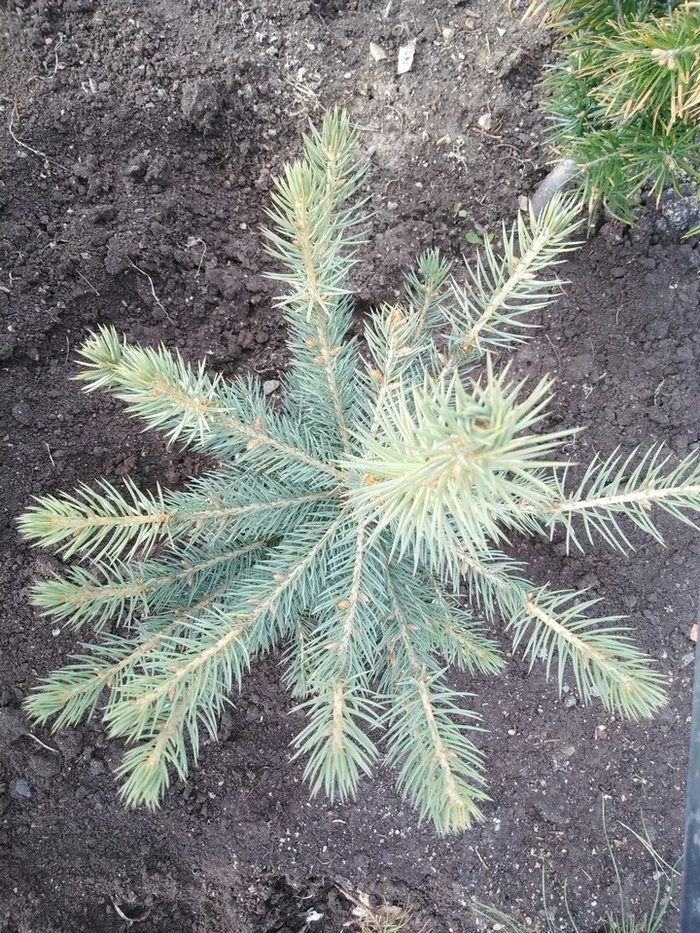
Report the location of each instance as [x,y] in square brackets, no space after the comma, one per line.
[20,788]
[377,52]
[405,58]
[70,742]
[680,213]
[200,104]
[552,813]
[157,170]
[270,386]
[138,166]
[22,413]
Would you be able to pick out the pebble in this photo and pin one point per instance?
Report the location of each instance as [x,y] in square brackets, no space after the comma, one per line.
[200,104]
[552,813]
[22,413]
[270,386]
[588,582]
[19,787]
[685,354]
[611,233]
[157,170]
[404,62]
[377,52]
[680,213]
[138,166]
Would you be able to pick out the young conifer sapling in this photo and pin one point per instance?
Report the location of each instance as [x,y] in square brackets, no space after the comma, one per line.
[624,99]
[343,529]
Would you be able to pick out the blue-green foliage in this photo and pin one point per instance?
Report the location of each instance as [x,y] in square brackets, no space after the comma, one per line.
[347,528]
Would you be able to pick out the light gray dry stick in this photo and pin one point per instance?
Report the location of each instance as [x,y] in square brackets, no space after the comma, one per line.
[36,152]
[153,290]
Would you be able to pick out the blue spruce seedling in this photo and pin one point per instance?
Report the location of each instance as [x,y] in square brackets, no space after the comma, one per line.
[342,529]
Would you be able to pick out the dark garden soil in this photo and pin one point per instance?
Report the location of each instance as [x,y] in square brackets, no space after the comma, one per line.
[143,138]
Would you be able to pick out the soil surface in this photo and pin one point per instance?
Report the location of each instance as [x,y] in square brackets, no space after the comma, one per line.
[139,142]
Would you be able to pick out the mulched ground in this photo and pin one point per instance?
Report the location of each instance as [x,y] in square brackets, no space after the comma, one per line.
[138,147]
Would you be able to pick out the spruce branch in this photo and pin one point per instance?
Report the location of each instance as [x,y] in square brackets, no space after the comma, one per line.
[110,525]
[605,16]
[654,67]
[97,523]
[311,235]
[71,693]
[600,656]
[459,638]
[441,770]
[346,639]
[556,626]
[504,290]
[163,390]
[336,742]
[185,681]
[158,386]
[425,289]
[124,591]
[632,488]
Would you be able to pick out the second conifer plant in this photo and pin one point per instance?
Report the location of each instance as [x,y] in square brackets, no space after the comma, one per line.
[348,528]
[624,99]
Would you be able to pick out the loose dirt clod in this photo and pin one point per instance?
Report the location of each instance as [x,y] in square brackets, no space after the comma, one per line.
[201,104]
